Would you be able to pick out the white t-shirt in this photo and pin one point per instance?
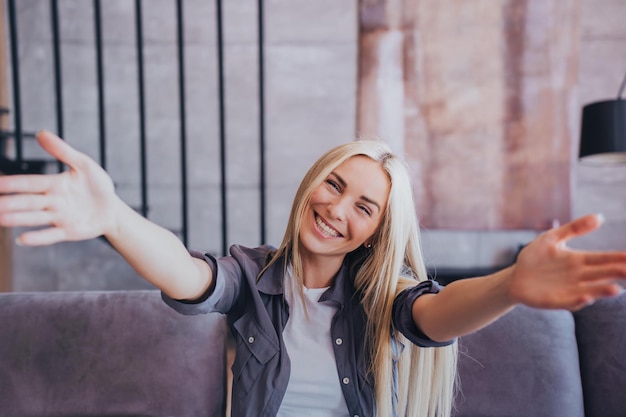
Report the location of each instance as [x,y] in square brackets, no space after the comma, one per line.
[314,389]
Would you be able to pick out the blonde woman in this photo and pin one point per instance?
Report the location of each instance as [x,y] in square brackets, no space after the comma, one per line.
[341,319]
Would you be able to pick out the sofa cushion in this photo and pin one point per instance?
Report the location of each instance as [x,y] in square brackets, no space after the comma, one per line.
[525,364]
[108,353]
[601,334]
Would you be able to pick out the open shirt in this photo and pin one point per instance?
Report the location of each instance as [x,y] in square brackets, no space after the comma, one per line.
[257,314]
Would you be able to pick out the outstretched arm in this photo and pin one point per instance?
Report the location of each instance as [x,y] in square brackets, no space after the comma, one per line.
[547,275]
[81,204]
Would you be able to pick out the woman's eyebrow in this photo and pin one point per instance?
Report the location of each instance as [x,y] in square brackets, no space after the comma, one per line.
[343,183]
[340,180]
[369,200]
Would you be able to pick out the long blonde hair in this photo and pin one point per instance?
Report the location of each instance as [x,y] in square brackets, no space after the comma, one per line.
[426,376]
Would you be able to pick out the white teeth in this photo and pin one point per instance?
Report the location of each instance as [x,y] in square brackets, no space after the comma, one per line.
[325,228]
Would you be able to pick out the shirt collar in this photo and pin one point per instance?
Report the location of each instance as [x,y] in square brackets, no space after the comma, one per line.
[271,281]
[341,285]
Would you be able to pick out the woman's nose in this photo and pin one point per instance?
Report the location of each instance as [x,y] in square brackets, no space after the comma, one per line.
[337,209]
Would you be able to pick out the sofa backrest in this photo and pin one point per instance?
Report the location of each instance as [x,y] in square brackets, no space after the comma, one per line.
[117,353]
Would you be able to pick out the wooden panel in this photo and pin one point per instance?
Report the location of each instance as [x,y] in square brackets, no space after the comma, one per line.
[480,100]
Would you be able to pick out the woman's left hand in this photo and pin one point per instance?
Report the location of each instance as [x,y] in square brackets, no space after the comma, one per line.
[548,274]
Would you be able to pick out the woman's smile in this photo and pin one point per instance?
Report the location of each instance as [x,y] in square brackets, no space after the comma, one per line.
[324,228]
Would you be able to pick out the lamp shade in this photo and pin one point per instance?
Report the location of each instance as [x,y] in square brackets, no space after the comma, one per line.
[603,132]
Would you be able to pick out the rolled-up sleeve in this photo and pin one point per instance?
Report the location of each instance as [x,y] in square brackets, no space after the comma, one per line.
[223,292]
[403,314]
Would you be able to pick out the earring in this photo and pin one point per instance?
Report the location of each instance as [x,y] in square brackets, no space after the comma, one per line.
[368,245]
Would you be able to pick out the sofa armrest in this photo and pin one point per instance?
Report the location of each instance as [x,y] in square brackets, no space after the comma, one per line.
[601,335]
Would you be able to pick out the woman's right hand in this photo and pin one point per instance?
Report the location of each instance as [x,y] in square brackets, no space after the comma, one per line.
[77,204]
[81,204]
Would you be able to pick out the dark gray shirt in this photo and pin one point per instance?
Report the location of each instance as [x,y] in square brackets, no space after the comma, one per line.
[258,313]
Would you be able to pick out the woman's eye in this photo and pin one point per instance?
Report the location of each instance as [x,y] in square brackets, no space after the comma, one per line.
[365,210]
[333,184]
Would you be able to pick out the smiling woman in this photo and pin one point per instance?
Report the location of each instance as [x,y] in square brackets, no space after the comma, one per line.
[354,211]
[345,298]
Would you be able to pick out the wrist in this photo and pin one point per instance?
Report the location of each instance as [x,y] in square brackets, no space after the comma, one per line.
[118,211]
[511,290]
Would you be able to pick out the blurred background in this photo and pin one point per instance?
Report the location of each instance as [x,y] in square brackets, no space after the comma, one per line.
[208,113]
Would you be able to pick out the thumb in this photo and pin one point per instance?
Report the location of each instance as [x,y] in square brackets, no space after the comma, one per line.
[59,149]
[575,228]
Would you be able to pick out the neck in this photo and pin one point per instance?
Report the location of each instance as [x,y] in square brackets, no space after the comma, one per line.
[320,273]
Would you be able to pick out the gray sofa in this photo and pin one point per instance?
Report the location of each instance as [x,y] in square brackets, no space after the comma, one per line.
[128,354]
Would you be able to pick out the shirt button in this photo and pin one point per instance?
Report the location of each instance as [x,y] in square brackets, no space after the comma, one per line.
[346,381]
[338,341]
[251,339]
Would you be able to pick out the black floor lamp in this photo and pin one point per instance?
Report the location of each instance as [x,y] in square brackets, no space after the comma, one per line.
[603,131]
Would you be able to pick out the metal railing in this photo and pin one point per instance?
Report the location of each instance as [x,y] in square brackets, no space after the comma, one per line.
[18,163]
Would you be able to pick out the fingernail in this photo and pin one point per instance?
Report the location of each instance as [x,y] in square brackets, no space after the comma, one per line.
[600,218]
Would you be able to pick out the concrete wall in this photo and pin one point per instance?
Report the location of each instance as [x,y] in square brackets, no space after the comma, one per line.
[602,64]
[310,104]
[311,101]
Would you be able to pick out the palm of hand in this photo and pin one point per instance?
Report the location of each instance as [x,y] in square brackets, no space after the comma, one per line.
[80,202]
[74,205]
[548,274]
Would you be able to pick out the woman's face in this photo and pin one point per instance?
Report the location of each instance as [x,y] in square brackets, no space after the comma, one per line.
[345,209]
